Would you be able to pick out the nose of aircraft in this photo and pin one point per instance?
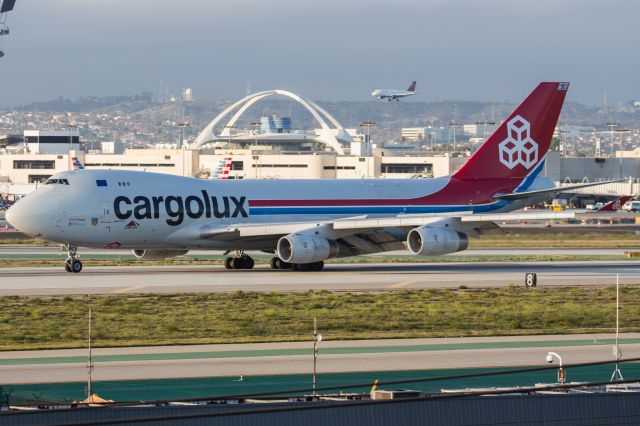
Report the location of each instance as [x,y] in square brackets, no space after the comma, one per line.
[10,215]
[24,217]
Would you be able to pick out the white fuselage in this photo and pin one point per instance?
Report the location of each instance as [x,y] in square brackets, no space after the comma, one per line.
[125,209]
[392,94]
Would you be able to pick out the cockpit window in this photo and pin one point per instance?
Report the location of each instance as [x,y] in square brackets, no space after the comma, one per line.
[57,181]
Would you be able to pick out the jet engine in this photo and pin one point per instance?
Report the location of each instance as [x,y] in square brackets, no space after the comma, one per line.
[426,241]
[296,248]
[158,254]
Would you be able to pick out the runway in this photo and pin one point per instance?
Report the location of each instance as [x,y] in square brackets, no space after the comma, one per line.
[296,358]
[335,277]
[26,251]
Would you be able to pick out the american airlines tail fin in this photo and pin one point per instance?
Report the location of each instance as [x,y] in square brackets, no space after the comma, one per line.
[77,164]
[222,169]
[615,205]
[412,87]
[517,148]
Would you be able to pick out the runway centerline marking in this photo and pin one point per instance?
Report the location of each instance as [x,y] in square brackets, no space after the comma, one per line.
[128,289]
[402,284]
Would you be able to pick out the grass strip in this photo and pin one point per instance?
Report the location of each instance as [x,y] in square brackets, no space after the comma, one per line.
[159,319]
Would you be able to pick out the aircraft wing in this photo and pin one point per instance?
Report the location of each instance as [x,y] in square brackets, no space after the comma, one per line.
[343,227]
[528,194]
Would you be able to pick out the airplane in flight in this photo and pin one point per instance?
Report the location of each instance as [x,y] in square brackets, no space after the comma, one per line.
[394,94]
[303,222]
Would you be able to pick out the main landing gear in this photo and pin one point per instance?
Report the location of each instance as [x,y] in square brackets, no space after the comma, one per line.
[72,264]
[241,261]
[277,263]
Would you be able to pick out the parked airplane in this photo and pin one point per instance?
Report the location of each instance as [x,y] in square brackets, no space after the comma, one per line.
[222,169]
[77,164]
[394,94]
[613,205]
[303,222]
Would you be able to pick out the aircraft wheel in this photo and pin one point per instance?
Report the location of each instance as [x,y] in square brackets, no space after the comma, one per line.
[285,265]
[275,263]
[248,262]
[76,266]
[228,263]
[317,266]
[242,262]
[67,266]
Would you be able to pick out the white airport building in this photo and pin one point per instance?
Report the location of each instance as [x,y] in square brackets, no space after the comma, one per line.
[277,152]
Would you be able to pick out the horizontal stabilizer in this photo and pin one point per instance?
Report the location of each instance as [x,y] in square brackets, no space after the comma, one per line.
[6,5]
[528,194]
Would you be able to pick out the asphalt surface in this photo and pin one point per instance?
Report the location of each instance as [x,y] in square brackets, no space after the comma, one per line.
[26,251]
[296,358]
[335,277]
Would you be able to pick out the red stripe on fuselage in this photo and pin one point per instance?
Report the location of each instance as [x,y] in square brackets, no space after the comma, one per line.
[456,192]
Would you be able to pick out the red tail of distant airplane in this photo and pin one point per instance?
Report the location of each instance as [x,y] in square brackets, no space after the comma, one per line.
[616,204]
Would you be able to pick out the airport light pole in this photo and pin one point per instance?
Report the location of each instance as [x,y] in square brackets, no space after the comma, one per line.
[621,132]
[367,134]
[70,127]
[228,127]
[550,357]
[617,353]
[453,126]
[89,361]
[317,338]
[484,127]
[611,124]
[256,125]
[182,126]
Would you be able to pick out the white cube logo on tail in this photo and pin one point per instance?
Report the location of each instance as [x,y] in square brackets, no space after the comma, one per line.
[518,147]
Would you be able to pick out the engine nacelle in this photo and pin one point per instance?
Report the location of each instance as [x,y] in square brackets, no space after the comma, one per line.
[296,248]
[426,241]
[158,254]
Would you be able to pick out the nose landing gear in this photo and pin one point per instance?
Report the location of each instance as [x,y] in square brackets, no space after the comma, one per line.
[241,261]
[72,264]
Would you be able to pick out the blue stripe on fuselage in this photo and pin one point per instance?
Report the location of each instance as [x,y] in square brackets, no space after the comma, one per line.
[360,210]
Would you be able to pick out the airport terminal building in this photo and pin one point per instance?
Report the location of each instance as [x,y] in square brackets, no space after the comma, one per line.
[274,150]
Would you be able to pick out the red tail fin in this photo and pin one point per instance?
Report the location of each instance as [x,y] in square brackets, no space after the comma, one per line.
[616,204]
[522,141]
[412,87]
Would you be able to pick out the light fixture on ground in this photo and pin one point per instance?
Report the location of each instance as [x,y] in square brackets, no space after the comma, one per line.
[317,338]
[561,375]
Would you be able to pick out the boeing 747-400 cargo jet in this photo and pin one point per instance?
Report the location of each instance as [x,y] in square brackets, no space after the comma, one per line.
[303,222]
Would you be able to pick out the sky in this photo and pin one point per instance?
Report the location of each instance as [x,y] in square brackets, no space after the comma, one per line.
[332,50]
